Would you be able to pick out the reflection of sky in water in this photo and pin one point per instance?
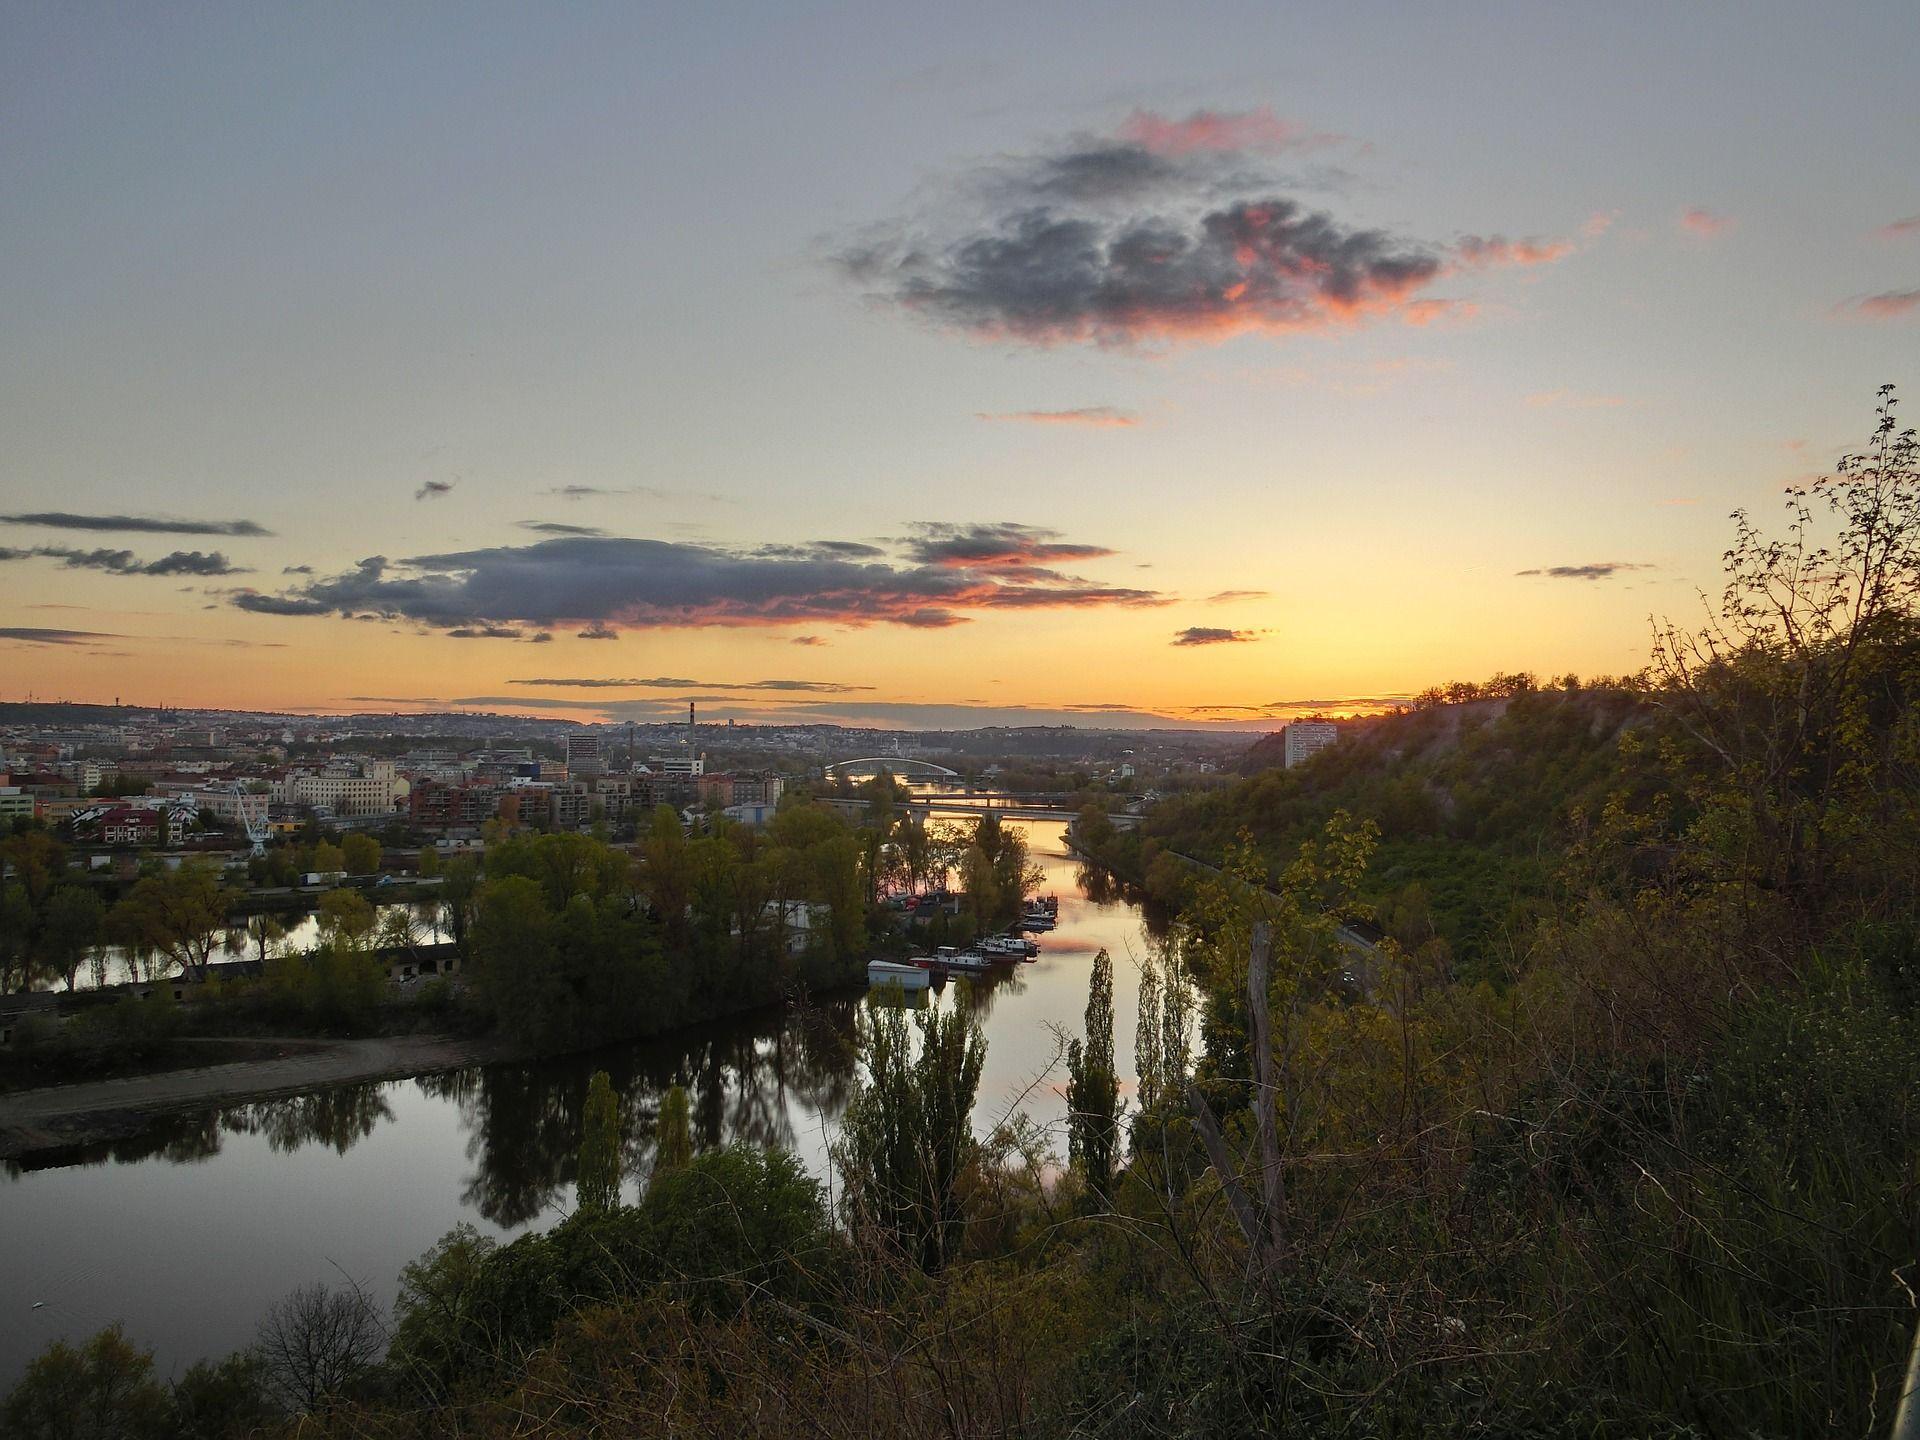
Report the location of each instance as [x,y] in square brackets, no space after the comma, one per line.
[188,1233]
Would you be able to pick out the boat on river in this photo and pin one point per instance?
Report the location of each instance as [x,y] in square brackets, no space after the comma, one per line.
[1012,947]
[957,962]
[895,972]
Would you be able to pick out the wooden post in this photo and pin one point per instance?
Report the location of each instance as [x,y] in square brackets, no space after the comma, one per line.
[1216,1144]
[1265,1090]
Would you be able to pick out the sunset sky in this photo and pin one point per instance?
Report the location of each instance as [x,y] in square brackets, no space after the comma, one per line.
[919,365]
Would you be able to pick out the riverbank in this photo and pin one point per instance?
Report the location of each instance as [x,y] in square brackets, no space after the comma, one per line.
[60,1116]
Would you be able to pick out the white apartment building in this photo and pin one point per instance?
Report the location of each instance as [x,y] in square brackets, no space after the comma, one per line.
[1307,738]
[15,803]
[347,786]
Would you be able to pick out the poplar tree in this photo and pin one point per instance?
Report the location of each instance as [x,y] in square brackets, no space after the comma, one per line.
[1093,1089]
[599,1169]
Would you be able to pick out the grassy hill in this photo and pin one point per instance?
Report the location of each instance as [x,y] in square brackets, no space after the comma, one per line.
[1475,803]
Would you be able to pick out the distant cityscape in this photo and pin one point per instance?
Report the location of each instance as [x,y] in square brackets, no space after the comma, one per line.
[123,780]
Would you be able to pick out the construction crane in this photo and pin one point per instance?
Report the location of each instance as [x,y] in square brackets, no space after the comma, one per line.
[256,833]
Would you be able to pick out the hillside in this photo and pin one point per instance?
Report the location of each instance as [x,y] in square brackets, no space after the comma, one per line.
[1475,804]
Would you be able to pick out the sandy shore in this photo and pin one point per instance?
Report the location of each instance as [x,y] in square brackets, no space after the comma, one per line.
[63,1115]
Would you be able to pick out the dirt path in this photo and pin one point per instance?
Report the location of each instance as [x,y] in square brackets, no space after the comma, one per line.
[63,1115]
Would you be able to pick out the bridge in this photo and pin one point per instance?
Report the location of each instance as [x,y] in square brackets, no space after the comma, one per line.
[896,765]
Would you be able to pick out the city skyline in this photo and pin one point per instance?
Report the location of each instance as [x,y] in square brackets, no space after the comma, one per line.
[918,369]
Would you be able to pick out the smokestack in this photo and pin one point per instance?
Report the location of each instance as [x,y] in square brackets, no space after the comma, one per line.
[690,731]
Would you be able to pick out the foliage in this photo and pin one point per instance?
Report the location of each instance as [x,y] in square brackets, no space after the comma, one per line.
[907,1137]
[673,1145]
[600,1168]
[178,914]
[1093,1089]
[102,1389]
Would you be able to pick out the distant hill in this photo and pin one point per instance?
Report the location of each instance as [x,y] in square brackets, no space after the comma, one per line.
[1474,803]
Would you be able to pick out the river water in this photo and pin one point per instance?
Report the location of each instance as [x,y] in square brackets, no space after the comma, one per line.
[189,1233]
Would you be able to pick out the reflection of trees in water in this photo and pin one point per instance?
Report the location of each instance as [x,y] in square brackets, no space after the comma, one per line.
[976,995]
[748,1081]
[339,1118]
[1103,887]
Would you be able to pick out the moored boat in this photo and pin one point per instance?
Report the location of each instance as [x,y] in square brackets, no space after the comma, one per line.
[895,972]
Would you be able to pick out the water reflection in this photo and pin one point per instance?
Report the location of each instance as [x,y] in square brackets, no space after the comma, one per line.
[748,1081]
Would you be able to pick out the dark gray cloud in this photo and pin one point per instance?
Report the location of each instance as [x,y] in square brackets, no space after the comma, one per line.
[674,682]
[1213,635]
[819,550]
[598,630]
[1001,546]
[33,635]
[483,632]
[608,584]
[134,524]
[1597,570]
[434,489]
[296,570]
[279,604]
[556,527]
[1172,231]
[125,562]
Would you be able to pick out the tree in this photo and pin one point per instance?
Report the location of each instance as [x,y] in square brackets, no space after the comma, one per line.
[223,1400]
[599,1170]
[326,858]
[360,854]
[1093,1089]
[102,1389]
[346,918]
[907,1137]
[1799,696]
[264,930]
[316,1343]
[74,925]
[459,893]
[673,1144]
[178,914]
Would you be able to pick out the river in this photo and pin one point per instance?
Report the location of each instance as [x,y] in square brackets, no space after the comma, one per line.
[189,1233]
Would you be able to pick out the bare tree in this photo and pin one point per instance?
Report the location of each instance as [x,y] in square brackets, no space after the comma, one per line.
[318,1341]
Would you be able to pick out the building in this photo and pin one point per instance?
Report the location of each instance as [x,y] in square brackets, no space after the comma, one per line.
[757,788]
[584,757]
[440,805]
[1307,738]
[15,803]
[344,786]
[131,825]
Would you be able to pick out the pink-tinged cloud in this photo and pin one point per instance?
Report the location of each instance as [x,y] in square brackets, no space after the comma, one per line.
[1480,252]
[1173,232]
[1704,223]
[1888,305]
[947,574]
[1906,229]
[1598,223]
[1096,416]
[1209,131]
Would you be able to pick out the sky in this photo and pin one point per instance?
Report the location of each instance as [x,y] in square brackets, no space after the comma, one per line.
[919,365]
